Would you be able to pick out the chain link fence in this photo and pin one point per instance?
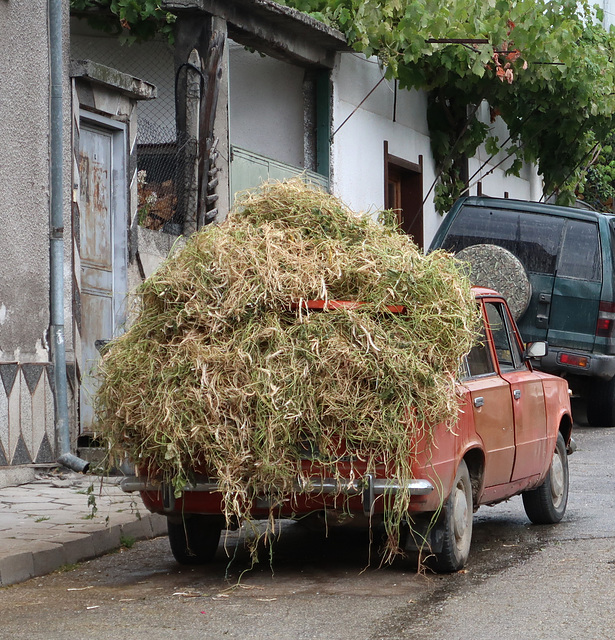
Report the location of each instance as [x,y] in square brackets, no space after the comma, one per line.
[161,157]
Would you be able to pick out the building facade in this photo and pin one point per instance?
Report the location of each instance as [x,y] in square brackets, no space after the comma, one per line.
[264,93]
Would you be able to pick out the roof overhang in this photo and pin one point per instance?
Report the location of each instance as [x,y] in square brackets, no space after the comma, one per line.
[124,83]
[270,28]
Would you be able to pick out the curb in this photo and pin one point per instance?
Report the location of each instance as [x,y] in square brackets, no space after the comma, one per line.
[45,557]
[48,524]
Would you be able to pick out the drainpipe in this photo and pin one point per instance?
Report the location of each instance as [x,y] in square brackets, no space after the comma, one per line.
[56,251]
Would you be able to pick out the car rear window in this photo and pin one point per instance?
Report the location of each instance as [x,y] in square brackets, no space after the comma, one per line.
[533,238]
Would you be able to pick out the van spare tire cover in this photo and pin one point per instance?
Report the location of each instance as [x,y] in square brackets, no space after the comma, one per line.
[497,268]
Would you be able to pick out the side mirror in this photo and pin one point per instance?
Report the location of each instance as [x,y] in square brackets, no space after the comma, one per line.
[535,350]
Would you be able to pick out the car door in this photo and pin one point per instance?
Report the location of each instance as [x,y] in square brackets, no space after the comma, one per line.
[577,288]
[526,391]
[492,413]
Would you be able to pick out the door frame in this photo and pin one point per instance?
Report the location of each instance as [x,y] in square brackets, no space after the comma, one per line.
[409,187]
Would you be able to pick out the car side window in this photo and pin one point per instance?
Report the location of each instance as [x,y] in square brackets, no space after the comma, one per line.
[478,361]
[580,255]
[507,350]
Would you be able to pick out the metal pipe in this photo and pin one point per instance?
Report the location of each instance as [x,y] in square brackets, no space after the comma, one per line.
[56,248]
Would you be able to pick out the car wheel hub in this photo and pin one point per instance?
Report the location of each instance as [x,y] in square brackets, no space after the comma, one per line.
[557,480]
[460,513]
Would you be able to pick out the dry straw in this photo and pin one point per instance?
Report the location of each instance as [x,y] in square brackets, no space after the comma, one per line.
[224,369]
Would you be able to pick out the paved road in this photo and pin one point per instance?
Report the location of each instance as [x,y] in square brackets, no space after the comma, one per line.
[522,581]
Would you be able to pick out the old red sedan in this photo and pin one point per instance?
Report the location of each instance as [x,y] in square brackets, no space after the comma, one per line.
[513,437]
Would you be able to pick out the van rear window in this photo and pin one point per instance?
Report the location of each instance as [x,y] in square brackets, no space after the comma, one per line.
[532,237]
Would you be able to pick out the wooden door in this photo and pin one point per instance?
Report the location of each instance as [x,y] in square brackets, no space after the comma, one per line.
[103,260]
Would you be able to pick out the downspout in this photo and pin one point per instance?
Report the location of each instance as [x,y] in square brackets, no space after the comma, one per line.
[56,244]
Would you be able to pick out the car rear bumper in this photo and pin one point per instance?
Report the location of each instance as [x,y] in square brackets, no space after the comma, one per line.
[597,366]
[367,487]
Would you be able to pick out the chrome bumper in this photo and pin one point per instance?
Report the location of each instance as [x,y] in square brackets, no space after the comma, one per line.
[367,486]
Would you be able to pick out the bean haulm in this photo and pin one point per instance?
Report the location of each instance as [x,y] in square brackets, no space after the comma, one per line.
[227,370]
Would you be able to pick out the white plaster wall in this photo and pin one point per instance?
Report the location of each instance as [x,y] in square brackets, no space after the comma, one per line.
[358,144]
[491,171]
[496,184]
[358,150]
[608,7]
[266,106]
[24,184]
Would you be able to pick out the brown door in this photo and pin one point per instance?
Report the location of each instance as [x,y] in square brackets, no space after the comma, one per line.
[404,194]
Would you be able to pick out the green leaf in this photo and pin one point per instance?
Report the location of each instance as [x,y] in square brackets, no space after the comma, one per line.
[492,146]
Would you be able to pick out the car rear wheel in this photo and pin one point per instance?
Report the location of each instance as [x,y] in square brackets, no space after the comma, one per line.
[455,526]
[547,503]
[601,404]
[194,538]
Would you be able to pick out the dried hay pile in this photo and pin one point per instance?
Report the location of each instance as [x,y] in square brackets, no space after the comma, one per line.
[222,369]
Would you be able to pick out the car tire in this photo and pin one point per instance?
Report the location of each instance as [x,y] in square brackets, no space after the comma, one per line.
[454,528]
[547,503]
[194,538]
[601,404]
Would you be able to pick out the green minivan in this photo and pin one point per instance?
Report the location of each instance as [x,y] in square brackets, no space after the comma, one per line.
[569,260]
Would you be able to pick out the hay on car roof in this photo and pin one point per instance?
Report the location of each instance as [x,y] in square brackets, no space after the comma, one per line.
[225,369]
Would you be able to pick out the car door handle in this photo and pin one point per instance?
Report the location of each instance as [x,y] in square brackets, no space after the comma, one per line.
[479,401]
[517,394]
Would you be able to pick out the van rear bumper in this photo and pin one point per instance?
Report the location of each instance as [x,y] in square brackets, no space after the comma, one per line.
[599,365]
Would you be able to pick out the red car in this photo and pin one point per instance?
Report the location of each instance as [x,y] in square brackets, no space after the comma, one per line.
[513,437]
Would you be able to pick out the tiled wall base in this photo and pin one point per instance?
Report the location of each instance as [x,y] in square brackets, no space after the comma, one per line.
[27,433]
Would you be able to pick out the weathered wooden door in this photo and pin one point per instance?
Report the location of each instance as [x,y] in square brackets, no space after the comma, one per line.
[102,251]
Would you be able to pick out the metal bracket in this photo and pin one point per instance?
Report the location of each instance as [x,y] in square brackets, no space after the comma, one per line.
[368,494]
[168,497]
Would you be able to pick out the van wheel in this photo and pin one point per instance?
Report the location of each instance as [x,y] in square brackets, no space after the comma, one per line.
[455,526]
[547,503]
[601,404]
[194,538]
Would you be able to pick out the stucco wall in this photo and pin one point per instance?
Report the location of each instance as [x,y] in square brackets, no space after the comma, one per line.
[27,425]
[24,188]
[400,118]
[358,149]
[266,106]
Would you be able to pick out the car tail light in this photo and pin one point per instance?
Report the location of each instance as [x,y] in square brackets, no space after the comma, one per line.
[577,361]
[606,320]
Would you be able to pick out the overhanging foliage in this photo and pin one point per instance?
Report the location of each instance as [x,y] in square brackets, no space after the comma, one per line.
[132,20]
[547,70]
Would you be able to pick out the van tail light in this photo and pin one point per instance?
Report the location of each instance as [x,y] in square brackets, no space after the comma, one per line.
[574,360]
[606,320]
